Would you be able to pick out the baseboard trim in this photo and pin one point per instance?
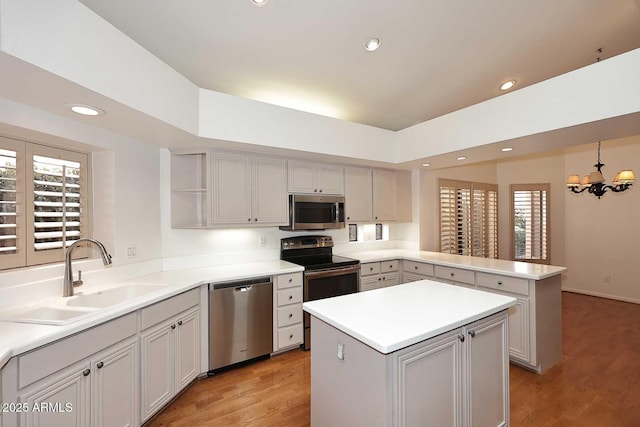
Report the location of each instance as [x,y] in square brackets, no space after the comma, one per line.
[601,295]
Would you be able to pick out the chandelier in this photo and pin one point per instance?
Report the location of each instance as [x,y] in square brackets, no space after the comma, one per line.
[594,182]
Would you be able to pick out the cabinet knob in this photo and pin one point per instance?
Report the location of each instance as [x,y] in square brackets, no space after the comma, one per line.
[290,297]
[100,365]
[179,322]
[86,372]
[461,337]
[173,326]
[499,282]
[315,190]
[370,268]
[255,219]
[320,191]
[348,217]
[415,267]
[290,336]
[376,217]
[379,278]
[472,333]
[453,274]
[290,315]
[249,219]
[390,265]
[290,280]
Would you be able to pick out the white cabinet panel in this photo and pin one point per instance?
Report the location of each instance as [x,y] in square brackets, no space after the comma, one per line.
[157,368]
[231,183]
[358,193]
[384,195]
[187,338]
[314,178]
[269,191]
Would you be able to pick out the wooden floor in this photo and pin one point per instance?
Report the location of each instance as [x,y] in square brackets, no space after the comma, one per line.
[596,384]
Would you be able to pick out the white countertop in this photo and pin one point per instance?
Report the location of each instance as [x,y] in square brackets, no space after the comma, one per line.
[525,270]
[17,338]
[393,318]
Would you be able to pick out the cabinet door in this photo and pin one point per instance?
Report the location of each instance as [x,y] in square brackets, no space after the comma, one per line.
[157,366]
[330,179]
[358,193]
[115,387]
[488,372]
[187,341]
[384,195]
[269,194]
[368,283]
[302,177]
[231,188]
[438,401]
[61,401]
[519,329]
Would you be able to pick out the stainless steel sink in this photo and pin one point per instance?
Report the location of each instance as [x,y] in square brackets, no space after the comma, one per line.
[112,296]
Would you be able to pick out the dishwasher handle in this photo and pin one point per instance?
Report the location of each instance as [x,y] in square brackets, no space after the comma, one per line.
[247,284]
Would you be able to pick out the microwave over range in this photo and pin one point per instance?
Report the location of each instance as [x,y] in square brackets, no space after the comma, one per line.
[315,212]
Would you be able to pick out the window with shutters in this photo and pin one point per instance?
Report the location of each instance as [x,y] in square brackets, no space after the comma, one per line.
[468,218]
[530,222]
[43,202]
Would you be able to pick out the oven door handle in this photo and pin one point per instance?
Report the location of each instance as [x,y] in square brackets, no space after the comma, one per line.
[315,274]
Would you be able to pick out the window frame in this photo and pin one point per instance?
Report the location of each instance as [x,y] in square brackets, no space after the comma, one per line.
[26,255]
[546,187]
[489,244]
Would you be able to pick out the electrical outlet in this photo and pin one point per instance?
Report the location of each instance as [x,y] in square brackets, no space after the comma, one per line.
[132,251]
[262,242]
[606,278]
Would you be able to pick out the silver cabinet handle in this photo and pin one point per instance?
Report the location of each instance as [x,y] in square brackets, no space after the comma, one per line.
[100,365]
[461,337]
[472,333]
[86,372]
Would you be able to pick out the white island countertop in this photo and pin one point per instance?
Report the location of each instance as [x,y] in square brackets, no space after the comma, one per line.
[396,317]
[525,270]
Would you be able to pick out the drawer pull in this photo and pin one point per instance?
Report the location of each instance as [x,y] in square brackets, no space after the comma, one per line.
[290,279]
[415,267]
[290,297]
[100,365]
[390,265]
[453,274]
[290,336]
[499,282]
[379,278]
[86,372]
[370,268]
[290,315]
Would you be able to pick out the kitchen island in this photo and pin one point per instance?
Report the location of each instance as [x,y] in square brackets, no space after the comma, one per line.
[423,353]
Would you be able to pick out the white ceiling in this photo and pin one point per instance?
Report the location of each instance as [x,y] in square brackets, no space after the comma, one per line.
[436,56]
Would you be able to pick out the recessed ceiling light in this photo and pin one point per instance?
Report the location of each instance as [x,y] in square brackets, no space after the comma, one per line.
[508,85]
[85,110]
[259,2]
[426,165]
[461,158]
[372,44]
[506,149]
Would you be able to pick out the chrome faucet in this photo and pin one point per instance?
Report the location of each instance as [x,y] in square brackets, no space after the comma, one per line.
[67,287]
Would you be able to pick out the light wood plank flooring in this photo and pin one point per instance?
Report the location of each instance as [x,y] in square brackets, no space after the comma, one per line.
[597,384]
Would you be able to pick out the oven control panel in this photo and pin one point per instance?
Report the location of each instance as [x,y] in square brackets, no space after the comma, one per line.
[302,242]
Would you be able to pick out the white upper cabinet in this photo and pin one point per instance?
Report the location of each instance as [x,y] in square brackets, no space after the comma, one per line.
[189,189]
[313,178]
[269,196]
[231,184]
[384,195]
[358,192]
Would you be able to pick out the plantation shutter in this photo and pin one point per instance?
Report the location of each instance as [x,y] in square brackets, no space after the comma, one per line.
[57,212]
[468,218]
[12,228]
[530,216]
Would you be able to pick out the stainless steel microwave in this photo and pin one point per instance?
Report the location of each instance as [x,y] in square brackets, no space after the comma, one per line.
[315,212]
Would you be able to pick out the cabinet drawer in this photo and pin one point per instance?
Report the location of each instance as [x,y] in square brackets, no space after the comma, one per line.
[417,268]
[503,283]
[289,280]
[291,335]
[412,277]
[454,274]
[289,296]
[289,315]
[369,268]
[163,310]
[386,266]
[369,283]
[46,360]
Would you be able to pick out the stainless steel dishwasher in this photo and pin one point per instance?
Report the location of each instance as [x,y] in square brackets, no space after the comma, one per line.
[240,321]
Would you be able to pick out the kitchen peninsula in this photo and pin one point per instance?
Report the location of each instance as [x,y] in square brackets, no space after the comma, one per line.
[422,353]
[535,333]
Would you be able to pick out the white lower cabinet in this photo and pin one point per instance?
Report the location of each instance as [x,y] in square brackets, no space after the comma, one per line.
[88,379]
[375,275]
[287,309]
[468,378]
[169,360]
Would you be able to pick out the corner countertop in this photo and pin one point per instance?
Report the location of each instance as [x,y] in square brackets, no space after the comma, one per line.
[17,338]
[389,319]
[525,270]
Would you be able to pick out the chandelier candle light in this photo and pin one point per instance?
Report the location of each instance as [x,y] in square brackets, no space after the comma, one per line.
[594,182]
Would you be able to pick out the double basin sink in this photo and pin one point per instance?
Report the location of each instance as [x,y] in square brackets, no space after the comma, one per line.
[62,311]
